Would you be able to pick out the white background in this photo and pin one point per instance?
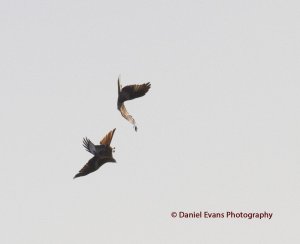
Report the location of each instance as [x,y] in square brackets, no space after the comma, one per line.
[218,131]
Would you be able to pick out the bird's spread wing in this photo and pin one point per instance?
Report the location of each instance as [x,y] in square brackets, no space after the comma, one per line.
[107,139]
[89,146]
[89,167]
[127,116]
[135,91]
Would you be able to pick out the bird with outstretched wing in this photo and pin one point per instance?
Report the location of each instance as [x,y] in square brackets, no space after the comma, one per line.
[128,93]
[102,154]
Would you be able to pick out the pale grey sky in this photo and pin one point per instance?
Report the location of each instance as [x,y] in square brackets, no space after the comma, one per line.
[218,131]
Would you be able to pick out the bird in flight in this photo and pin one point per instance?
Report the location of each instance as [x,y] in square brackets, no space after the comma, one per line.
[102,154]
[128,93]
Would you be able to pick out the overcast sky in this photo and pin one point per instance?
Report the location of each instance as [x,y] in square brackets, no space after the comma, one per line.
[218,130]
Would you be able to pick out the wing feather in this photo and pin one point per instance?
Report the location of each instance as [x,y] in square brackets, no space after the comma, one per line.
[134,91]
[89,146]
[127,116]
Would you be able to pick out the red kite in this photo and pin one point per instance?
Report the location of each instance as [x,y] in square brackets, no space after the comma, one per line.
[128,93]
[102,154]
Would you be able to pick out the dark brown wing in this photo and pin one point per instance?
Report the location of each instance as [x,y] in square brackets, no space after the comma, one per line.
[107,139]
[133,91]
[89,146]
[92,165]
[127,116]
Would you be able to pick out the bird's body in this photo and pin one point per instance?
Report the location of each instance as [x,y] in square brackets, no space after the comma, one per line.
[102,154]
[128,93]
